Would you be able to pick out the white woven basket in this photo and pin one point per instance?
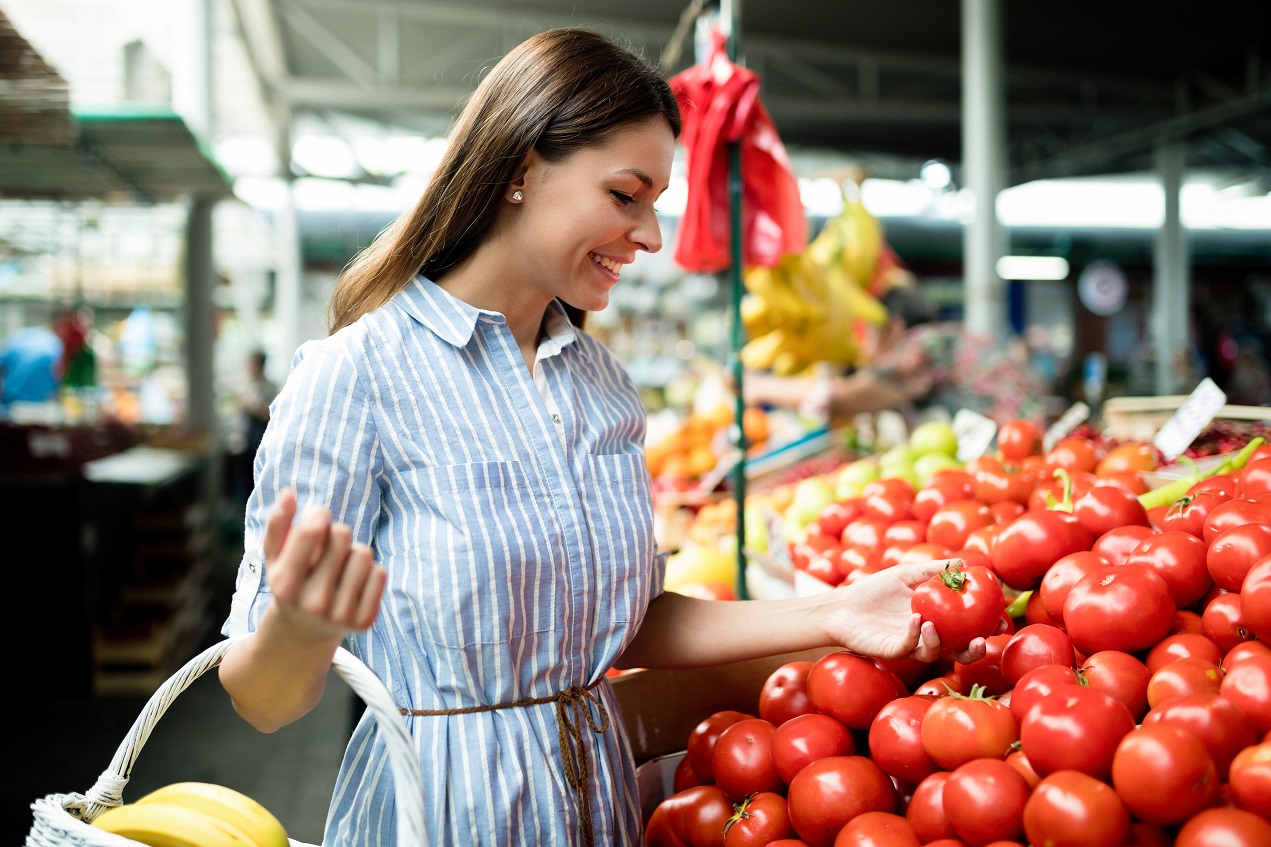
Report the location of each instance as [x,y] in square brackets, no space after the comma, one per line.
[63,820]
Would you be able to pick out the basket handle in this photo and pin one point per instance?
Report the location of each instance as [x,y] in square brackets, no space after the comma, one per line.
[408,786]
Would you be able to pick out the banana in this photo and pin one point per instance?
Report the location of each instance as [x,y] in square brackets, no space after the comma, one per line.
[233,807]
[170,825]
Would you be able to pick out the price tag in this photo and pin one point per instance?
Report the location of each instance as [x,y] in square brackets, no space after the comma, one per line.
[778,550]
[975,433]
[1077,414]
[1191,418]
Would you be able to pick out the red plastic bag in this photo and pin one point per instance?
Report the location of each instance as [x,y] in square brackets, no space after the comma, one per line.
[720,104]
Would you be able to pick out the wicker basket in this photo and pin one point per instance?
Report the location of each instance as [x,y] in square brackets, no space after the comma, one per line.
[63,820]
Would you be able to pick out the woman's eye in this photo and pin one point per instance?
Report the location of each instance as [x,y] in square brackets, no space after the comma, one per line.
[624,199]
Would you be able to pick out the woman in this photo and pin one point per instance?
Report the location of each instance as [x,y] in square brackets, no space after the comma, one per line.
[477,517]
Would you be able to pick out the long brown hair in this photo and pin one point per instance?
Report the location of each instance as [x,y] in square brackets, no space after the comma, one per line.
[556,92]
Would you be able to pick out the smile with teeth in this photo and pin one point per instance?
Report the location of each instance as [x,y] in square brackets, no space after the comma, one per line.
[610,265]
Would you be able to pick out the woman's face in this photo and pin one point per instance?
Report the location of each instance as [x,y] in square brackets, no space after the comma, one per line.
[582,220]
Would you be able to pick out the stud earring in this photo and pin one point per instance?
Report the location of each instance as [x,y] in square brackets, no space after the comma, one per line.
[517,195]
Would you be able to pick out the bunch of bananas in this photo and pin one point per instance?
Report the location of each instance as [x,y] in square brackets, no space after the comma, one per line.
[805,309]
[195,814]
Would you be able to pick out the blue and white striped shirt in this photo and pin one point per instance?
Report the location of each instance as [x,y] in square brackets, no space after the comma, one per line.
[519,563]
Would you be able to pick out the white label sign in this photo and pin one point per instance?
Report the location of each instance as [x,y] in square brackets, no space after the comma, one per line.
[1077,413]
[975,433]
[1191,418]
[778,551]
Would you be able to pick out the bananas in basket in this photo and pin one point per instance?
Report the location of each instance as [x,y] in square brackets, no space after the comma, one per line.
[195,814]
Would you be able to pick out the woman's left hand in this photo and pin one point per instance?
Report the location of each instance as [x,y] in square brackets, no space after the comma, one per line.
[872,617]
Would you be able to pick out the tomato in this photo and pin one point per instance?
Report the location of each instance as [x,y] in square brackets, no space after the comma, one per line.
[785,693]
[1255,598]
[987,670]
[1235,512]
[1224,828]
[1034,541]
[923,552]
[831,791]
[1118,607]
[1189,675]
[962,603]
[1180,646]
[850,688]
[1164,774]
[943,486]
[743,759]
[1038,683]
[758,820]
[1115,544]
[952,523]
[1131,481]
[1248,685]
[995,482]
[1074,728]
[1007,511]
[895,739]
[926,809]
[701,742]
[1255,479]
[1105,507]
[1073,453]
[1188,513]
[866,535]
[959,728]
[1223,621]
[984,801]
[1249,779]
[1130,456]
[1071,809]
[1242,651]
[806,738]
[877,829]
[905,533]
[1034,646]
[1233,551]
[683,777]
[1215,720]
[1185,620]
[889,506]
[1035,612]
[1121,675]
[896,488]
[691,818]
[1062,576]
[836,515]
[1018,438]
[1180,558]
[1020,762]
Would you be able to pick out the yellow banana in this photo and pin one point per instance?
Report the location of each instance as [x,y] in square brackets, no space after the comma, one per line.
[235,808]
[758,353]
[170,825]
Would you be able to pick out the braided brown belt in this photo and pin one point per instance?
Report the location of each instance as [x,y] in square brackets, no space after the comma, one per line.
[571,709]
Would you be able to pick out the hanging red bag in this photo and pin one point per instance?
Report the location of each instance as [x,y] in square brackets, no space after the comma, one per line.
[720,104]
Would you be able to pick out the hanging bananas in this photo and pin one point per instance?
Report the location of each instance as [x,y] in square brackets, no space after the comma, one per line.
[195,814]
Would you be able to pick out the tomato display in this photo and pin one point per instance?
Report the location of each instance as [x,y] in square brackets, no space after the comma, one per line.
[1163,774]
[1034,541]
[1215,720]
[1074,728]
[984,801]
[1071,809]
[1119,607]
[831,791]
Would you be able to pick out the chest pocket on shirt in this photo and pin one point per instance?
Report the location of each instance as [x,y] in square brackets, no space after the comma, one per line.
[619,509]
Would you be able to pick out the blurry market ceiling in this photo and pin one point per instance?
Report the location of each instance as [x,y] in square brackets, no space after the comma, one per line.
[1091,88]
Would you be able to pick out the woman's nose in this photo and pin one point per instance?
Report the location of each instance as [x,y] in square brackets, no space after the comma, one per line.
[648,235]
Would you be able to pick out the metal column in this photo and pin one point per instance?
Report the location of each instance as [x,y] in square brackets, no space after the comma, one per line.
[1170,285]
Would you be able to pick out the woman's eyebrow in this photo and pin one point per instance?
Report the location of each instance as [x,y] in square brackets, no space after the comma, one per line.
[640,175]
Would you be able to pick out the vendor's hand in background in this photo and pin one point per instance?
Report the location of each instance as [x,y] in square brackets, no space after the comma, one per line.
[324,585]
[872,617]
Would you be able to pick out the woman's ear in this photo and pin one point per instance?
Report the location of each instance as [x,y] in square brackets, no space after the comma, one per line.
[526,174]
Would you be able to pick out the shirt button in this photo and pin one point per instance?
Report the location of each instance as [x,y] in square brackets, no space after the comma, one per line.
[555,418]
[251,567]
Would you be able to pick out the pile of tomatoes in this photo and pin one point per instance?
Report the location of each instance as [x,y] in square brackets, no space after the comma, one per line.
[1124,698]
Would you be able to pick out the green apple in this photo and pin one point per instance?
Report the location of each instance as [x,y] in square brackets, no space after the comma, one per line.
[928,463]
[854,476]
[900,456]
[934,437]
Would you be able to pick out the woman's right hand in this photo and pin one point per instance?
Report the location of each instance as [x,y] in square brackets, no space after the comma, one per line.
[324,585]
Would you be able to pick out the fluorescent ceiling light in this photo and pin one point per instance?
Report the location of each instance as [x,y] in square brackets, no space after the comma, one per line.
[1032,267]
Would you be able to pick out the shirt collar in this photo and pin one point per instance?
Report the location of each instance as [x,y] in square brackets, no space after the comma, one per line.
[454,320]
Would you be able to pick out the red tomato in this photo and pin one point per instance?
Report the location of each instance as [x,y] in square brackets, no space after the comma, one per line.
[1062,491]
[1255,479]
[926,809]
[1034,541]
[1106,507]
[1118,607]
[1188,514]
[1226,485]
[1233,551]
[877,829]
[866,535]
[1130,456]
[987,670]
[1224,828]
[785,693]
[1121,675]
[1164,774]
[1180,646]
[893,487]
[850,688]
[1223,621]
[1186,620]
[1248,685]
[889,506]
[1038,683]
[1189,675]
[1249,779]
[1131,481]
[692,818]
[836,515]
[952,523]
[758,820]
[1034,646]
[1070,809]
[1179,557]
[1062,576]
[1235,512]
[995,482]
[895,739]
[982,539]
[1035,612]
[1255,598]
[956,730]
[984,801]
[743,759]
[1115,544]
[1073,453]
[683,778]
[1018,438]
[963,603]
[924,552]
[831,791]
[1074,728]
[1215,720]
[905,533]
[944,486]
[804,739]
[1242,651]
[1006,511]
[701,742]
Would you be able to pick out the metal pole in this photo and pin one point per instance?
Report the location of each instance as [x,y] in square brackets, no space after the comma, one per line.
[1169,279]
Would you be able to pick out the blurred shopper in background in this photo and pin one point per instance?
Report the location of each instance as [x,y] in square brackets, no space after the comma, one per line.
[477,523]
[919,365]
[254,397]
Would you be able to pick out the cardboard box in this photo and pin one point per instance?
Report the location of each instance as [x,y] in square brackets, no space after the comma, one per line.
[661,707]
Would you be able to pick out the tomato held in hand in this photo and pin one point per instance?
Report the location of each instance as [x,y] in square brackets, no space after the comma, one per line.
[701,742]
[1072,809]
[785,693]
[963,604]
[758,820]
[1119,607]
[829,792]
[1164,774]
